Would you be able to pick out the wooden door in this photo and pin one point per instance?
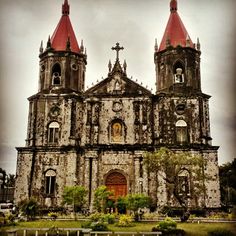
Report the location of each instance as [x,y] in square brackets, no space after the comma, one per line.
[116,182]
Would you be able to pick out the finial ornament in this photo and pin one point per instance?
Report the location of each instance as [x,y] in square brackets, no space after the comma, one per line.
[82,46]
[65,8]
[117,48]
[173,6]
[109,66]
[198,44]
[125,66]
[41,47]
[49,42]
[156,46]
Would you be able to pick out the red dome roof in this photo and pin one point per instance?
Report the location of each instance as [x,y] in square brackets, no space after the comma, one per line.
[175,32]
[63,32]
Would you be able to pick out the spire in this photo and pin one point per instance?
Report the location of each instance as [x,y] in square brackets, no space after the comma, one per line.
[49,42]
[198,44]
[82,46]
[125,66]
[41,47]
[109,66]
[65,8]
[63,31]
[173,6]
[156,46]
[175,33]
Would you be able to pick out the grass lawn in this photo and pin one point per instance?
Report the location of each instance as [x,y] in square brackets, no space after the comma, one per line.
[192,229]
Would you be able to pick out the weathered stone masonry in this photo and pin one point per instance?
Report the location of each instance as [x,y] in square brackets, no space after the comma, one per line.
[99,136]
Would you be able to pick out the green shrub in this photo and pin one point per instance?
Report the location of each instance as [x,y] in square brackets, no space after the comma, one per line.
[125,221]
[86,224]
[220,232]
[121,205]
[99,226]
[100,217]
[52,215]
[167,224]
[95,216]
[108,218]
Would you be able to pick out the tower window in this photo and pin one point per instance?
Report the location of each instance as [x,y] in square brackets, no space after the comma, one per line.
[181,131]
[50,182]
[53,132]
[56,74]
[178,73]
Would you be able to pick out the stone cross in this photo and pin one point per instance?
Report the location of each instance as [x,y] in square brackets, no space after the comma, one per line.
[117,48]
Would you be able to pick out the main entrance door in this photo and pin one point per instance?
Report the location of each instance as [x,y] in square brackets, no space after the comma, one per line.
[116,182]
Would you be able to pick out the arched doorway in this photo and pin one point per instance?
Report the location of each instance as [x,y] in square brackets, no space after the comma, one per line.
[117,183]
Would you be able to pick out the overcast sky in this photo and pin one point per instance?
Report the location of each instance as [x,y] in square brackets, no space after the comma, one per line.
[101,23]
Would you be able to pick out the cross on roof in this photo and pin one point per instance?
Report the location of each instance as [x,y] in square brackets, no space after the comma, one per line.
[117,48]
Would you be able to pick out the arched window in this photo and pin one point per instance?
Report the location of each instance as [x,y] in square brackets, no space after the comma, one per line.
[56,74]
[53,132]
[178,72]
[181,131]
[50,182]
[183,183]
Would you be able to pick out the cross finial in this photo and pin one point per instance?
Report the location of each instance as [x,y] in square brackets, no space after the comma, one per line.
[117,48]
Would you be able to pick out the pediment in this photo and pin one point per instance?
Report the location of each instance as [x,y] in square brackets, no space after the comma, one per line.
[117,84]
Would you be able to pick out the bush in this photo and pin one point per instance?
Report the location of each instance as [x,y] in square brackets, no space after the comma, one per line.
[108,218]
[220,232]
[125,221]
[29,208]
[99,226]
[167,224]
[53,215]
[121,205]
[86,224]
[95,216]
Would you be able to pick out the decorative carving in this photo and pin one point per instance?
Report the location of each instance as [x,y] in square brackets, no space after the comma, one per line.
[55,111]
[117,106]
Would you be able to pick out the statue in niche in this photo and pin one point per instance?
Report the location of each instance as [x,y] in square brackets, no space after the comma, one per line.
[117,86]
[179,77]
[116,132]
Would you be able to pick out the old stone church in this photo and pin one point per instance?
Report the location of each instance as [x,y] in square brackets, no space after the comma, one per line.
[99,136]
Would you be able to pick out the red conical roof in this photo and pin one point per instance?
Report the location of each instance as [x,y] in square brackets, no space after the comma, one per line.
[175,32]
[64,32]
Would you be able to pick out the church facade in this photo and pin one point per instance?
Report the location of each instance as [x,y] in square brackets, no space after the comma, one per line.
[99,136]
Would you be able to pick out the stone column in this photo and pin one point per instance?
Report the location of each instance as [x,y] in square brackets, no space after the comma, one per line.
[87,175]
[145,180]
[94,181]
[137,174]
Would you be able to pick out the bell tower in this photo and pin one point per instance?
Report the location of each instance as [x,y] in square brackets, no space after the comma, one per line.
[177,60]
[183,117]
[62,62]
[55,118]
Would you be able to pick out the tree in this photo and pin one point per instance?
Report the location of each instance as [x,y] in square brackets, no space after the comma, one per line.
[135,202]
[101,197]
[183,173]
[75,196]
[10,180]
[29,208]
[227,176]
